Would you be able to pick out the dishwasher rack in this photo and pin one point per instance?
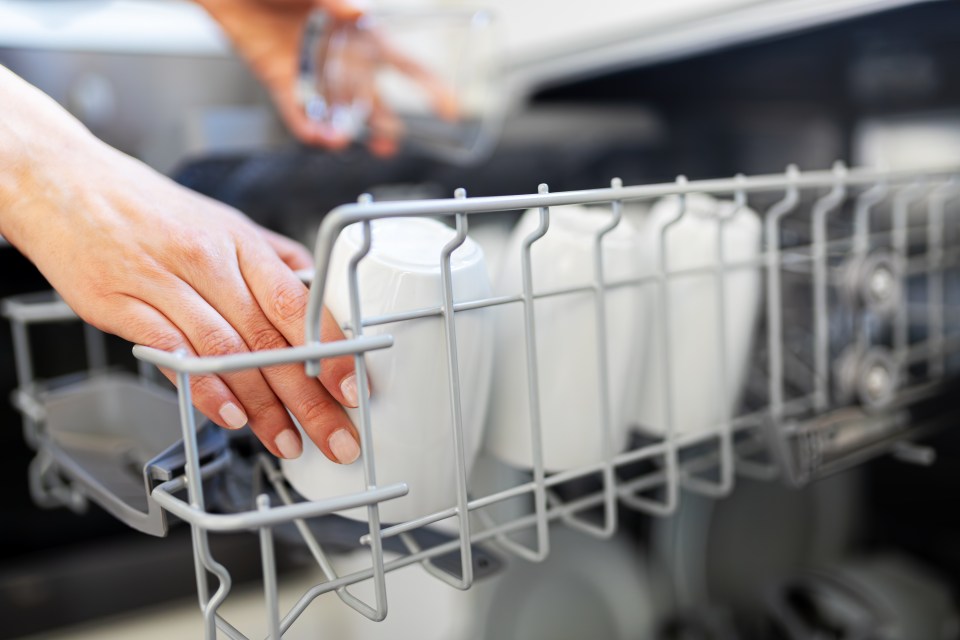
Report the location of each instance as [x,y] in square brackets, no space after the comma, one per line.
[860,325]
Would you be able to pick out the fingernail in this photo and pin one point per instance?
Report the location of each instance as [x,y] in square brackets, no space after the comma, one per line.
[233,415]
[348,387]
[289,444]
[344,447]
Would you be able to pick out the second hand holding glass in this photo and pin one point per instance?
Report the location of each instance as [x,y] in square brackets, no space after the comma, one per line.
[417,79]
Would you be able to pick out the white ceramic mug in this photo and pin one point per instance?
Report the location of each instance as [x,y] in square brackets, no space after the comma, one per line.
[410,403]
[699,397]
[567,341]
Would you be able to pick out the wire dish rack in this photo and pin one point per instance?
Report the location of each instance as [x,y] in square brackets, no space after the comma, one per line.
[855,341]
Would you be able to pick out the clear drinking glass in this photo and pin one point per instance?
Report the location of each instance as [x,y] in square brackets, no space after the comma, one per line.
[417,79]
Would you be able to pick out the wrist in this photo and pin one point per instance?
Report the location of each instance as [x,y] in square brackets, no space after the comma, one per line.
[39,141]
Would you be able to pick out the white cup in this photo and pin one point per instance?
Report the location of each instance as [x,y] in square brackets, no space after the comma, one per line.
[567,343]
[410,412]
[699,397]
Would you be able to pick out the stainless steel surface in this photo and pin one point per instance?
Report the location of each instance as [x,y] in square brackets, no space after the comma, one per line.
[154,78]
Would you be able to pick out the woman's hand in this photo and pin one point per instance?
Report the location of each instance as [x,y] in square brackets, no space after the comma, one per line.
[269,33]
[136,255]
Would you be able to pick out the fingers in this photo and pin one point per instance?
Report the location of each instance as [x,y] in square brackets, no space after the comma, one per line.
[145,325]
[283,299]
[321,416]
[442,97]
[256,397]
[386,129]
[274,321]
[349,59]
[309,131]
[212,333]
[382,147]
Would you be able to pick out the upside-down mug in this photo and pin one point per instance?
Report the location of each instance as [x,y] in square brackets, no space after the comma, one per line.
[410,402]
[568,340]
[699,356]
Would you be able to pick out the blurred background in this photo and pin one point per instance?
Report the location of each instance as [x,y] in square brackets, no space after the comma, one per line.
[643,91]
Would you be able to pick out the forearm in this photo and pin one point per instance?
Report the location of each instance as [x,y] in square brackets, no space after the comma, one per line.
[13,146]
[40,143]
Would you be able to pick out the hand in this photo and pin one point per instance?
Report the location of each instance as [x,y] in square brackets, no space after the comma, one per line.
[269,33]
[136,255]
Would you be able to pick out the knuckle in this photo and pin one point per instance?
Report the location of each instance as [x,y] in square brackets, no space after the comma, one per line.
[198,252]
[220,343]
[264,338]
[261,407]
[157,337]
[318,410]
[193,253]
[102,287]
[204,386]
[289,302]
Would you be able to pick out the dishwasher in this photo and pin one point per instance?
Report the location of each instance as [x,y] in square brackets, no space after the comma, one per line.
[823,338]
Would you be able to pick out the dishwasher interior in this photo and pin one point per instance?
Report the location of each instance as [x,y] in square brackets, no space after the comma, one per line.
[811,501]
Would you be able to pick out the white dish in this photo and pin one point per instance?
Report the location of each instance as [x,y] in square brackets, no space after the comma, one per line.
[700,397]
[567,340]
[410,402]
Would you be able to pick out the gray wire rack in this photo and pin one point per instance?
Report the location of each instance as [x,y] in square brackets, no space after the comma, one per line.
[858,325]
